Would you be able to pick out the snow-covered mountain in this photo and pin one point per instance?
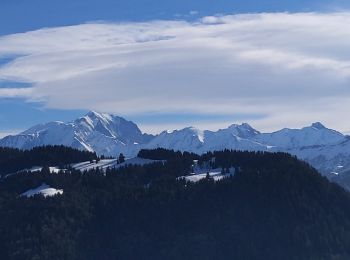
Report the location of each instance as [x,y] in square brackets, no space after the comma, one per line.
[240,137]
[314,135]
[102,133]
[326,149]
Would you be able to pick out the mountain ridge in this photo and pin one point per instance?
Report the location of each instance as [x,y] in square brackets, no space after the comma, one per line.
[107,134]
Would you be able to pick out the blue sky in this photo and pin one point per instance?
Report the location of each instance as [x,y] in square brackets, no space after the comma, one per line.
[20,111]
[23,15]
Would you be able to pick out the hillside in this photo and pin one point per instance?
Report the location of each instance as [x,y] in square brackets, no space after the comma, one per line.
[272,207]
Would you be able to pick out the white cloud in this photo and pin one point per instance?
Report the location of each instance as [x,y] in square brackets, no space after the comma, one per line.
[16,92]
[9,132]
[294,68]
[212,20]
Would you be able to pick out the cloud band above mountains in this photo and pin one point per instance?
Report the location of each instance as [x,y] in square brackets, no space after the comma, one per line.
[293,68]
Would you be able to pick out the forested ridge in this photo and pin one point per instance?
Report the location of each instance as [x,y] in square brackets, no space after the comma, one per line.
[12,160]
[274,207]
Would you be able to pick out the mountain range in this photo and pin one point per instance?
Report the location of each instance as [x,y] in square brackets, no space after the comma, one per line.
[325,149]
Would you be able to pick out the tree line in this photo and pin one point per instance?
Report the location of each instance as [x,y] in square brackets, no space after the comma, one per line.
[13,160]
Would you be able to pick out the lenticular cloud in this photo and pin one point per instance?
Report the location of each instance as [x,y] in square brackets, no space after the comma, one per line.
[272,63]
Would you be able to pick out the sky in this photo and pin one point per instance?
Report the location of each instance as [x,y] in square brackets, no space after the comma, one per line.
[171,64]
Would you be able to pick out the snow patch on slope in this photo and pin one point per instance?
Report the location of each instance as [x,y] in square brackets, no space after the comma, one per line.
[215,174]
[44,190]
[201,172]
[111,163]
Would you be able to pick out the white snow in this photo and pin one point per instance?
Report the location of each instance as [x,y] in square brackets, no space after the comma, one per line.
[200,172]
[86,166]
[213,173]
[313,135]
[105,134]
[39,168]
[197,141]
[111,163]
[44,190]
[36,169]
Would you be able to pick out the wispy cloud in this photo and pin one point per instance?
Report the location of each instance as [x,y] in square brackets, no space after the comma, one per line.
[292,67]
[4,133]
[16,92]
